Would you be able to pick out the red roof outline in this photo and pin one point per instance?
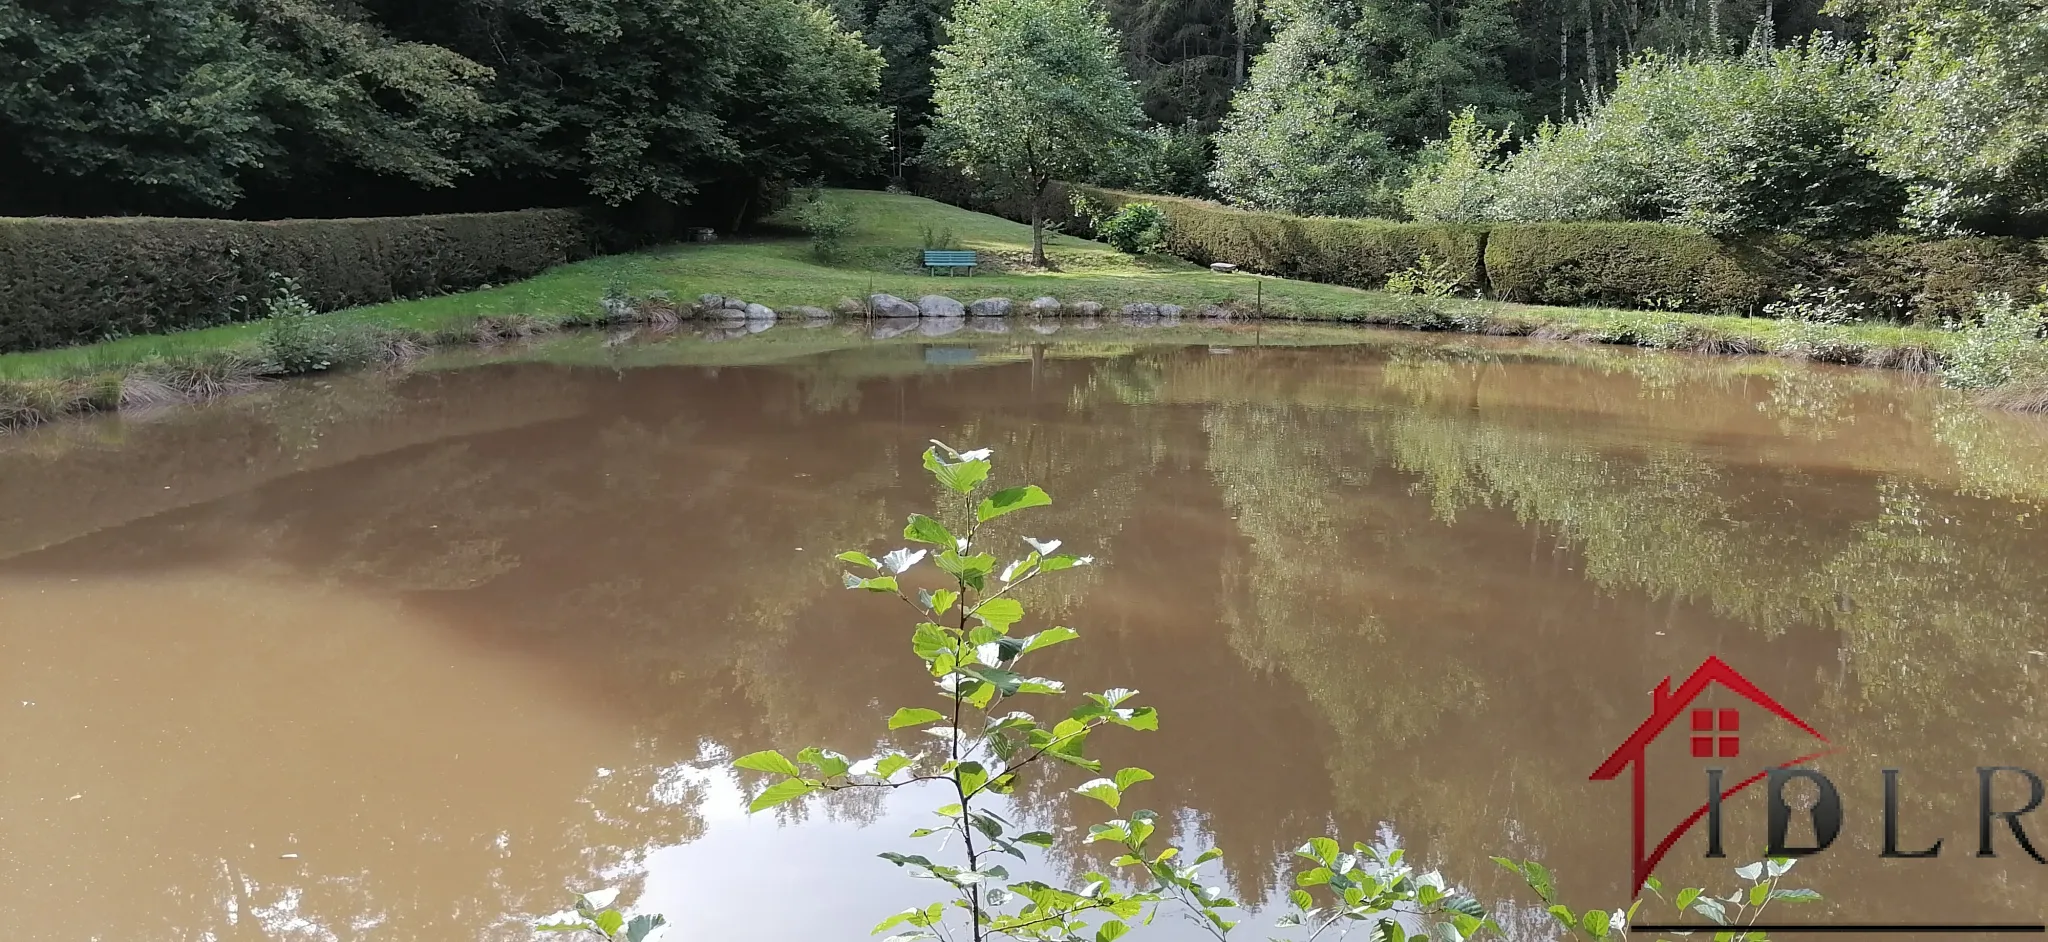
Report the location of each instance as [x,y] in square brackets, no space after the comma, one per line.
[1667,706]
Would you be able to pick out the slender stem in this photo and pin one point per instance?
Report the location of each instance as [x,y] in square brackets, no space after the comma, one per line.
[960,788]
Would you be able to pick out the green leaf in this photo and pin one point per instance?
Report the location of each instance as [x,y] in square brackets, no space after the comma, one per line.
[1563,915]
[891,764]
[961,477]
[1036,838]
[941,602]
[1048,638]
[1539,880]
[1111,931]
[578,926]
[972,776]
[894,921]
[923,529]
[828,764]
[610,922]
[930,641]
[1316,877]
[1466,905]
[1126,778]
[1759,893]
[1301,899]
[1102,790]
[1687,895]
[1011,499]
[780,792]
[1595,923]
[859,558]
[999,614]
[877,584]
[1321,849]
[1797,896]
[914,716]
[1208,855]
[1057,563]
[769,761]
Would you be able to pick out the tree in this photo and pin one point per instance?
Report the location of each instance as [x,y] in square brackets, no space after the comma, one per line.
[180,105]
[1967,126]
[1347,88]
[1029,92]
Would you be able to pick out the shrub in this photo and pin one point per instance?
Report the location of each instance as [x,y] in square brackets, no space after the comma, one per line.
[1758,142]
[1429,278]
[68,281]
[1622,264]
[1362,253]
[1455,179]
[2000,346]
[1136,229]
[827,221]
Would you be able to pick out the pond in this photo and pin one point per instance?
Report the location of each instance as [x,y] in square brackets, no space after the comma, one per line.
[410,656]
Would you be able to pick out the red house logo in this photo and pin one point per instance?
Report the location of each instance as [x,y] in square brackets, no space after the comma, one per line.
[1714,734]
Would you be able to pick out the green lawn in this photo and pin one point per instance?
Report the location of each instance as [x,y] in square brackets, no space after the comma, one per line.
[880,256]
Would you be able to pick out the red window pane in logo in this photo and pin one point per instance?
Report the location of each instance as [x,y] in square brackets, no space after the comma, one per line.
[1712,721]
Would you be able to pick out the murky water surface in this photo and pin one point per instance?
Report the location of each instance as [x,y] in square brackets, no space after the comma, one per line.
[409,657]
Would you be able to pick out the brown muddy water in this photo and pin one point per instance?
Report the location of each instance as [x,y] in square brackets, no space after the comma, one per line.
[412,656]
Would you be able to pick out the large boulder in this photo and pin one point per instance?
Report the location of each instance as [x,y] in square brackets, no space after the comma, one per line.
[938,305]
[990,307]
[889,305]
[760,312]
[1045,306]
[814,313]
[1084,309]
[849,308]
[1141,310]
[1171,312]
[1216,312]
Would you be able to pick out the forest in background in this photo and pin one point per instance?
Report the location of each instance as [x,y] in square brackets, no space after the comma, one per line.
[1816,117]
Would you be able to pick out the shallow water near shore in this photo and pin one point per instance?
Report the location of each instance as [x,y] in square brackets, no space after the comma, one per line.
[413,655]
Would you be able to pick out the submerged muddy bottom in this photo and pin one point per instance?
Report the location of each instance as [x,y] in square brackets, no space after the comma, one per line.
[412,656]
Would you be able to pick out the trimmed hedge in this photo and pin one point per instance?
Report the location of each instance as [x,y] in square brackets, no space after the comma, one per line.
[1611,264]
[1358,252]
[1626,264]
[1926,280]
[70,281]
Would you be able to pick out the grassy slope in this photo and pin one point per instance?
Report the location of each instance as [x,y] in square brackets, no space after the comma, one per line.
[880,256]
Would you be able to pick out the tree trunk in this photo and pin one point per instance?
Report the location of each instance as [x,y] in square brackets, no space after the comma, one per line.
[1038,226]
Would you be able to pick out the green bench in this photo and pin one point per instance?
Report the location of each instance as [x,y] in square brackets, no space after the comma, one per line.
[950,261]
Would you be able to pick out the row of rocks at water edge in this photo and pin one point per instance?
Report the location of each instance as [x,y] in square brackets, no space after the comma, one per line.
[933,305]
[720,307]
[929,327]
[888,306]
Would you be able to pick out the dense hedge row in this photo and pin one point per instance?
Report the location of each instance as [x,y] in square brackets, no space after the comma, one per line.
[1621,264]
[1340,251]
[67,281]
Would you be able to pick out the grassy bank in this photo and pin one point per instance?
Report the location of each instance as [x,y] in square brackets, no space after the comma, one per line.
[878,256]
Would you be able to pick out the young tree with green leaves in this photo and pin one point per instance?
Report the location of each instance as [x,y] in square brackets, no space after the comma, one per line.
[1031,92]
[1348,88]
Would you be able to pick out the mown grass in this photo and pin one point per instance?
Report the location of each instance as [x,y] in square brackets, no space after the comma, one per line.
[880,256]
